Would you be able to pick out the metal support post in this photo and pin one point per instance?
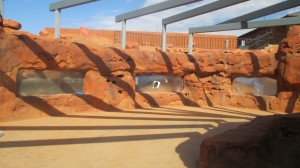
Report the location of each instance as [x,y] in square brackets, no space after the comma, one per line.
[123,39]
[164,38]
[226,41]
[57,23]
[2,8]
[191,43]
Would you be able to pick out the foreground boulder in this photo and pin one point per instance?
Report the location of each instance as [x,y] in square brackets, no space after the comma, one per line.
[256,144]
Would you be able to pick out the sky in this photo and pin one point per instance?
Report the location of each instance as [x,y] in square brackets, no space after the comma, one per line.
[34,15]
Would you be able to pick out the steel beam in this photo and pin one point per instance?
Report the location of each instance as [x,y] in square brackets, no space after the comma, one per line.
[247,25]
[265,11]
[201,10]
[2,8]
[68,3]
[153,8]
[123,39]
[164,38]
[57,24]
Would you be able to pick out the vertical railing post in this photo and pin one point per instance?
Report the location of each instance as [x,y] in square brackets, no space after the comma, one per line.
[57,23]
[123,40]
[164,38]
[191,43]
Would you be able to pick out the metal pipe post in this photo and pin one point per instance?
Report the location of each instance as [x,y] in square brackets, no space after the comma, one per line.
[57,23]
[123,40]
[191,43]
[2,8]
[226,41]
[164,38]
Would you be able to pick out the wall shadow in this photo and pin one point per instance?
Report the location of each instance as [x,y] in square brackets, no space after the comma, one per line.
[292,102]
[168,62]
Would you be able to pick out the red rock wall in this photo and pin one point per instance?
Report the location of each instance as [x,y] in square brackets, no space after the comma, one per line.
[109,76]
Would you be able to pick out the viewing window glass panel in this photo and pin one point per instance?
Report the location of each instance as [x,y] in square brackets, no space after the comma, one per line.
[254,86]
[158,83]
[48,82]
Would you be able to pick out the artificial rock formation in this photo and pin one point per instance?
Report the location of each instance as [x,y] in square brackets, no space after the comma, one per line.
[12,24]
[109,76]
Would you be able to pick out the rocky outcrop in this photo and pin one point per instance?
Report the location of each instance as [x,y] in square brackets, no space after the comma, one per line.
[256,144]
[12,24]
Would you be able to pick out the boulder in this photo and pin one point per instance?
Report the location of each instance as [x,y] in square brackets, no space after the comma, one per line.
[12,24]
[84,31]
[255,144]
[132,45]
[44,33]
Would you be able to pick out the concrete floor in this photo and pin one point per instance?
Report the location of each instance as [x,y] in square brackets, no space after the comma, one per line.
[167,137]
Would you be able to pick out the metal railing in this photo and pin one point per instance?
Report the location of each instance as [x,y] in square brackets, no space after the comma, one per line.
[178,41]
[258,42]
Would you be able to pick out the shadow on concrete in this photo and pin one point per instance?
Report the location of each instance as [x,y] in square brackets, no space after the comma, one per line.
[119,127]
[89,140]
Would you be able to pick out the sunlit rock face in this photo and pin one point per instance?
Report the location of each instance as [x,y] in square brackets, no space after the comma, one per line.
[109,76]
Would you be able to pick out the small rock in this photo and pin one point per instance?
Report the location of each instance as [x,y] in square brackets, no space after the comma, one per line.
[132,45]
[12,24]
[2,134]
[84,31]
[44,33]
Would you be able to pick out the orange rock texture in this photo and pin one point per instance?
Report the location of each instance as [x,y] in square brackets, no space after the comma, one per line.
[109,76]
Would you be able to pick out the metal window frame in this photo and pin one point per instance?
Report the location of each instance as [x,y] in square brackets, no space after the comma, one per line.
[58,6]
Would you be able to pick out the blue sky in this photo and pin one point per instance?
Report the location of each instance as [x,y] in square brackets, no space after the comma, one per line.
[34,15]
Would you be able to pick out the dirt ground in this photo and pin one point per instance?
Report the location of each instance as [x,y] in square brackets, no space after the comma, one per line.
[166,137]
